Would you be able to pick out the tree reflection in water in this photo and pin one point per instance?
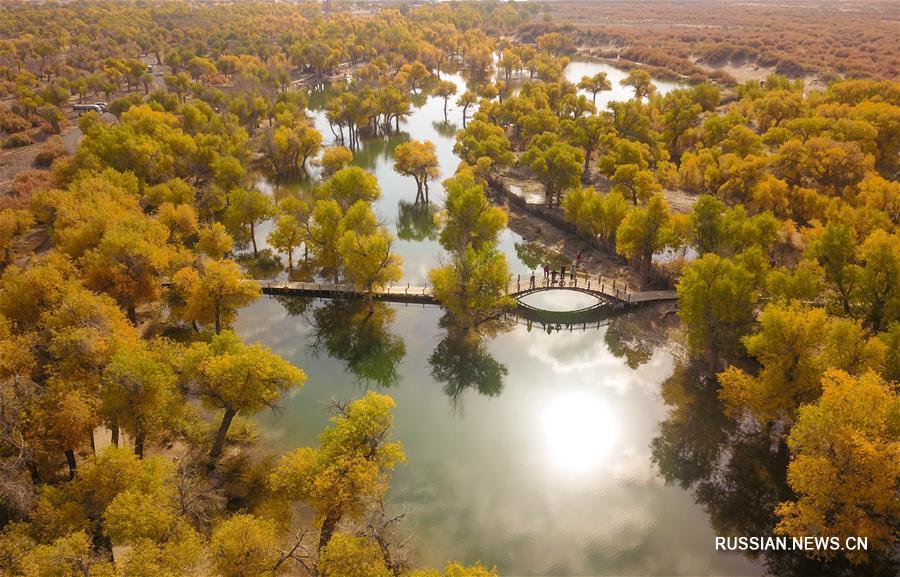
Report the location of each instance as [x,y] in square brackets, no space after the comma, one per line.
[635,336]
[738,473]
[266,266]
[295,306]
[378,148]
[445,128]
[416,221]
[346,330]
[535,256]
[461,360]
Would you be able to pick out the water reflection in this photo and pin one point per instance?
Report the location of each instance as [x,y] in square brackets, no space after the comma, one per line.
[492,483]
[445,128]
[295,306]
[461,361]
[346,329]
[426,122]
[560,300]
[738,474]
[546,472]
[535,256]
[579,432]
[377,154]
[416,221]
[265,266]
[635,338]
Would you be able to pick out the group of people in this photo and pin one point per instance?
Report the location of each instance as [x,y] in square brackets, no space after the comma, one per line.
[557,277]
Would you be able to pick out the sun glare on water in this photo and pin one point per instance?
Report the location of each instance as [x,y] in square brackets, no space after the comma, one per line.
[579,432]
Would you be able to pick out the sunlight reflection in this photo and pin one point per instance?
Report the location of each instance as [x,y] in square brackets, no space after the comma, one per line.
[579,432]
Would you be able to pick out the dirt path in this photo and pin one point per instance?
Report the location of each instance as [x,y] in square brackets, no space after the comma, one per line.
[566,246]
[562,242]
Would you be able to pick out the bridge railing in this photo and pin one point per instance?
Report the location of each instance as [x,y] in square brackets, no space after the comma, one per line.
[517,285]
[611,288]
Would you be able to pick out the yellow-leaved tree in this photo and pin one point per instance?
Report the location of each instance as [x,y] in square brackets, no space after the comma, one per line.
[211,293]
[474,282]
[349,556]
[365,248]
[795,345]
[349,470]
[418,160]
[846,465]
[238,378]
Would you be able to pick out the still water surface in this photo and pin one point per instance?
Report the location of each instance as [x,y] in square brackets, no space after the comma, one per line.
[529,451]
[560,300]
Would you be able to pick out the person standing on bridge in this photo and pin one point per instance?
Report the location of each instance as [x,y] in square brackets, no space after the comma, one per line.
[578,257]
[562,272]
[532,284]
[553,277]
[546,271]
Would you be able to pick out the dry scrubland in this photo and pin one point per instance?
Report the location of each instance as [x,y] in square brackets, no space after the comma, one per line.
[824,39]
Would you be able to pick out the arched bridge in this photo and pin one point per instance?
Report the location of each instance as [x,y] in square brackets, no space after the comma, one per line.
[603,306]
[610,294]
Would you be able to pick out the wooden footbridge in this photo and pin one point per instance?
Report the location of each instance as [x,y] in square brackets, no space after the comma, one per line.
[610,294]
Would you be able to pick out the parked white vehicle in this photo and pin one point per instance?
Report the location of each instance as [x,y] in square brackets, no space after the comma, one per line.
[82,108]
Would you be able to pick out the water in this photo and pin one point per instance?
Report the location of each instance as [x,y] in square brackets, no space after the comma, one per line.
[529,451]
[560,300]
[417,242]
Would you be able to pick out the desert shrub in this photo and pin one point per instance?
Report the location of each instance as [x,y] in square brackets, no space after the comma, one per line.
[29,181]
[17,140]
[52,149]
[11,122]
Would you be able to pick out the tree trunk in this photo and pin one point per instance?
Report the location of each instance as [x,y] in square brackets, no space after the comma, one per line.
[418,188]
[70,460]
[328,527]
[253,238]
[223,430]
[218,318]
[114,429]
[132,314]
[139,444]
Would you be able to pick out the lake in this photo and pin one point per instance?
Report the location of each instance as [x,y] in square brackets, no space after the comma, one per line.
[529,450]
